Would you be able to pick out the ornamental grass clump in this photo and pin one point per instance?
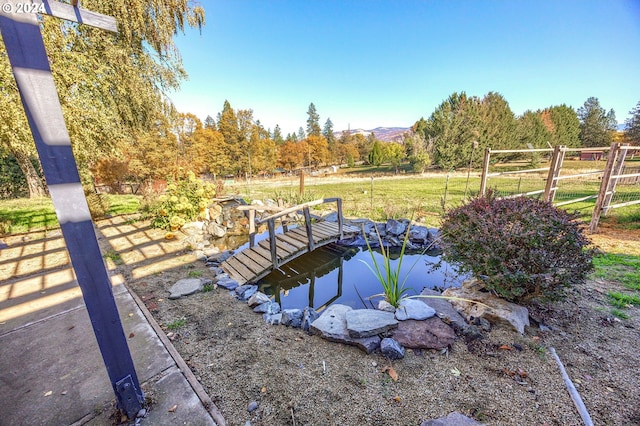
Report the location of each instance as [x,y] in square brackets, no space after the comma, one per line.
[388,275]
[521,248]
[184,200]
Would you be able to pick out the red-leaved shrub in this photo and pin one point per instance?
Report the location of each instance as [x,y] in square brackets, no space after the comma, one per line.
[522,248]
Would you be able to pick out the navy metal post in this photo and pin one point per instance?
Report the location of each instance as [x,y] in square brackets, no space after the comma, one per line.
[26,51]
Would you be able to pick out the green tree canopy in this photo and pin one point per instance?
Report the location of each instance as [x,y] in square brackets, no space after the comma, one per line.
[632,124]
[313,121]
[110,86]
[597,126]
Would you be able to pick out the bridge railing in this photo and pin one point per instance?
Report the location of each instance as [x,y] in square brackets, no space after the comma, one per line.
[282,214]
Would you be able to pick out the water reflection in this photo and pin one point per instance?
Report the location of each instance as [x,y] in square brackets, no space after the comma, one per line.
[336,274]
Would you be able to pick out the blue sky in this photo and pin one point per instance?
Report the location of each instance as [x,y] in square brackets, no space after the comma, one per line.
[387,63]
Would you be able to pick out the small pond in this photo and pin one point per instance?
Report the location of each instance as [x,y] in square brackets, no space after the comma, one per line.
[338,274]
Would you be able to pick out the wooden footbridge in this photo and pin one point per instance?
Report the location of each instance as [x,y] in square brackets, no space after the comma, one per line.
[253,263]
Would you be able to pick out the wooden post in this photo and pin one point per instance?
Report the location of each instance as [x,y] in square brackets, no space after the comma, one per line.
[340,218]
[606,187]
[307,223]
[31,69]
[252,228]
[272,242]
[554,171]
[301,191]
[485,171]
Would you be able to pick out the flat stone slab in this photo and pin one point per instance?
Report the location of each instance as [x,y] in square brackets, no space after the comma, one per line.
[414,309]
[369,322]
[185,287]
[332,326]
[431,333]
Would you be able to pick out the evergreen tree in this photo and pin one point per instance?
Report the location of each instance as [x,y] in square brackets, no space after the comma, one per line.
[332,142]
[632,124]
[452,128]
[597,126]
[277,135]
[563,125]
[531,130]
[301,134]
[376,155]
[497,124]
[209,123]
[313,121]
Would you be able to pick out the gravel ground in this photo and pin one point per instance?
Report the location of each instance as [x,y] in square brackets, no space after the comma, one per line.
[298,379]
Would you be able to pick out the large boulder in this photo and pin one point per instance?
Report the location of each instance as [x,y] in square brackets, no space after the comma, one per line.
[495,310]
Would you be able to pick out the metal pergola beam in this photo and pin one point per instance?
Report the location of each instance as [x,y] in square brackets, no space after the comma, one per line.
[31,69]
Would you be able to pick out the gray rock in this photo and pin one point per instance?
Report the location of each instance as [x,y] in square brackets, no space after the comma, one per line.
[391,349]
[253,405]
[332,326]
[217,259]
[257,298]
[215,230]
[419,234]
[444,309]
[309,315]
[185,287]
[292,318]
[493,309]
[428,334]
[482,323]
[193,229]
[395,227]
[228,284]
[453,419]
[273,319]
[244,292]
[383,305]
[269,307]
[212,251]
[413,309]
[369,322]
[331,217]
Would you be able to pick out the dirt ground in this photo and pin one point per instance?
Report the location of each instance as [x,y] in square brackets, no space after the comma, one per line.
[298,379]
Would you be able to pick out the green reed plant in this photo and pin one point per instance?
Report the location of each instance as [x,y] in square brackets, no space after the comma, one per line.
[387,274]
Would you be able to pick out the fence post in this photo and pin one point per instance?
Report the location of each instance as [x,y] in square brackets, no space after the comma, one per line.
[252,228]
[485,171]
[301,190]
[307,223]
[607,186]
[554,171]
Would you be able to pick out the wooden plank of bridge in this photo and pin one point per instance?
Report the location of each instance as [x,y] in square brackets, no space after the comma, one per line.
[255,262]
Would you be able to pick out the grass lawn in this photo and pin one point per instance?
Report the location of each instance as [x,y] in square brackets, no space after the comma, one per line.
[30,214]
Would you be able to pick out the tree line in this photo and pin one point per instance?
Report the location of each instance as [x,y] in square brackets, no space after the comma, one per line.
[123,127]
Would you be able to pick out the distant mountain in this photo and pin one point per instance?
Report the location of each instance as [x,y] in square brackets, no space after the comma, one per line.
[387,134]
[622,127]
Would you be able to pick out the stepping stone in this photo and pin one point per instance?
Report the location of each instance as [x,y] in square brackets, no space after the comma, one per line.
[185,287]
